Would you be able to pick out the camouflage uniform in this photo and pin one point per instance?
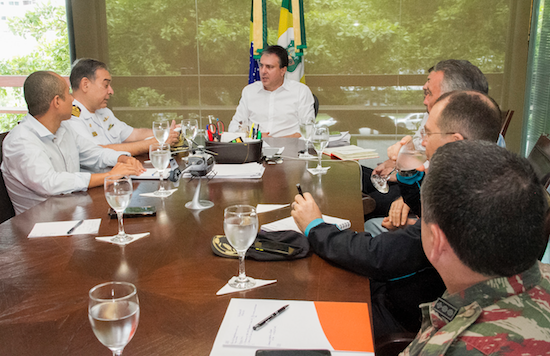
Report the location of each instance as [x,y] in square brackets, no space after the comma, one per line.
[501,316]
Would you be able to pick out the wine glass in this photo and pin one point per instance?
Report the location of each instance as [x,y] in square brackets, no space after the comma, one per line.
[118,191]
[240,224]
[409,158]
[320,139]
[189,129]
[380,182]
[306,130]
[113,310]
[161,130]
[160,157]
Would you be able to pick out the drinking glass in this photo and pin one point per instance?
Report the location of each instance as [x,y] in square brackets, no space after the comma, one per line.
[161,130]
[189,129]
[113,311]
[118,191]
[306,130]
[409,158]
[320,141]
[240,224]
[380,182]
[160,157]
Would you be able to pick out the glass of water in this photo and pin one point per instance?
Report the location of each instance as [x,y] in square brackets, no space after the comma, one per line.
[320,139]
[240,224]
[189,129]
[306,130]
[161,130]
[118,191]
[113,311]
[160,157]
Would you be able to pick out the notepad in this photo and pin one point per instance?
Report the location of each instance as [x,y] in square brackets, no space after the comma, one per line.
[290,224]
[304,325]
[351,152]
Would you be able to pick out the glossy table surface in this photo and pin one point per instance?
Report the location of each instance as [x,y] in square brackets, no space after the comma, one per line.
[44,282]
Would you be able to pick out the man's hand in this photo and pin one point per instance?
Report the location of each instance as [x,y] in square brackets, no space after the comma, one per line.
[385,168]
[393,150]
[399,213]
[174,136]
[388,225]
[128,166]
[305,210]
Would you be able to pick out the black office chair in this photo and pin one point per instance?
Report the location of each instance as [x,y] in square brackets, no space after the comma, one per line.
[315,104]
[6,207]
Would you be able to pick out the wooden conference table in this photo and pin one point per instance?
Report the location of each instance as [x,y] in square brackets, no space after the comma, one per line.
[44,282]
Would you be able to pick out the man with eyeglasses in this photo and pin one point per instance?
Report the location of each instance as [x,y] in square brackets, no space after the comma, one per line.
[401,276]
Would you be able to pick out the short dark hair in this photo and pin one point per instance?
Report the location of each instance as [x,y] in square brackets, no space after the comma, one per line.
[474,115]
[279,52]
[84,68]
[490,205]
[461,75]
[40,88]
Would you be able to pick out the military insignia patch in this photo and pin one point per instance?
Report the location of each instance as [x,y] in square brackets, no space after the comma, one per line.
[76,111]
[110,127]
[445,309]
[94,133]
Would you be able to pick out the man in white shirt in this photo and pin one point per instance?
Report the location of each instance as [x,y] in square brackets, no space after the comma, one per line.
[42,155]
[274,104]
[91,84]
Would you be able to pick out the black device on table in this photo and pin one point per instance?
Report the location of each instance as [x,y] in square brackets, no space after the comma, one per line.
[135,211]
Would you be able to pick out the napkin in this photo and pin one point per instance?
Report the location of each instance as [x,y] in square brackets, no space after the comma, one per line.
[315,172]
[228,289]
[135,238]
[153,195]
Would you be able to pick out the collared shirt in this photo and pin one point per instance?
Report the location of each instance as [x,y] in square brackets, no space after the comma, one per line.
[102,127]
[38,164]
[277,112]
[501,316]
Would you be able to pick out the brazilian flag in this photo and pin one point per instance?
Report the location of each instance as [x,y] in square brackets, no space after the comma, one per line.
[292,36]
[258,37]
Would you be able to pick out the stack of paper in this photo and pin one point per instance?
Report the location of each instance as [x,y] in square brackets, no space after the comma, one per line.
[152,173]
[351,152]
[290,224]
[236,171]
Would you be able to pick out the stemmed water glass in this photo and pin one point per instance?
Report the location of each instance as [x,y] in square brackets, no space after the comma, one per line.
[118,191]
[113,311]
[161,130]
[160,157]
[306,130]
[409,158]
[189,129]
[240,224]
[320,139]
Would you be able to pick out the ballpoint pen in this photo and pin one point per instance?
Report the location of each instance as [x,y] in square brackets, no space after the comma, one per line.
[299,187]
[269,318]
[72,229]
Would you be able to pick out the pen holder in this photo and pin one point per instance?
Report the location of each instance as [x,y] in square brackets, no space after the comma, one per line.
[237,152]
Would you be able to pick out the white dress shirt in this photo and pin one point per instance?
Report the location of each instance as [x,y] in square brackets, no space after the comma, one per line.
[102,127]
[277,112]
[38,164]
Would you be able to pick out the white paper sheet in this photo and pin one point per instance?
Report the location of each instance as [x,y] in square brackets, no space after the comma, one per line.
[152,173]
[264,208]
[236,171]
[290,224]
[61,228]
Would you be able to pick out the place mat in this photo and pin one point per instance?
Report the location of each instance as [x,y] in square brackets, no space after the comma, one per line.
[135,238]
[259,283]
[153,195]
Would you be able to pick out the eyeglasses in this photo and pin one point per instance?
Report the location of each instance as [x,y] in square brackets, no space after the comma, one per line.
[424,135]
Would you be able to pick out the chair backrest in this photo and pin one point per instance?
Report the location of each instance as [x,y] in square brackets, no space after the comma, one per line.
[315,104]
[506,122]
[540,159]
[6,207]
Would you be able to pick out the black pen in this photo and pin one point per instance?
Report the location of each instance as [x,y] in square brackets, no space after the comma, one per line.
[299,187]
[269,318]
[71,230]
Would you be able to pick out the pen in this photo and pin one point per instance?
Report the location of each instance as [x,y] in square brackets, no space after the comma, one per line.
[71,230]
[269,318]
[299,187]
